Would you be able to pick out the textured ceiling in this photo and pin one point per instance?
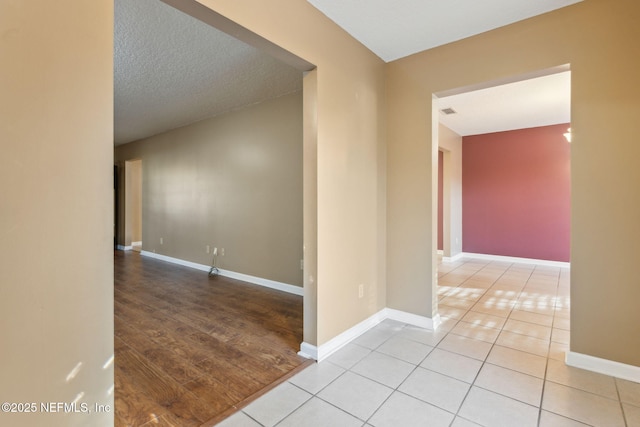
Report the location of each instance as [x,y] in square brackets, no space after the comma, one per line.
[540,101]
[171,70]
[397,29]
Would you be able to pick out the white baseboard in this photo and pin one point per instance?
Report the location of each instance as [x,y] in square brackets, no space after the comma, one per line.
[412,319]
[454,258]
[173,260]
[296,290]
[320,353]
[339,341]
[308,351]
[511,259]
[124,248]
[603,366]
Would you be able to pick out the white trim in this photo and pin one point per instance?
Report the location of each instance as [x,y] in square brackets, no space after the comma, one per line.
[603,366]
[124,248]
[296,290]
[454,258]
[501,258]
[320,353]
[413,319]
[173,260]
[339,341]
[308,351]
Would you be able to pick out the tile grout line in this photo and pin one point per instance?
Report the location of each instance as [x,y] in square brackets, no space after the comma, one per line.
[455,323]
[484,361]
[624,415]
[546,365]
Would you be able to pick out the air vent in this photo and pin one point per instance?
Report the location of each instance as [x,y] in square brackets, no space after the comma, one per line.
[448,111]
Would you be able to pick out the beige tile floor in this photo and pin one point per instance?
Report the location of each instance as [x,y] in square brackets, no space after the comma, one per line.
[497,360]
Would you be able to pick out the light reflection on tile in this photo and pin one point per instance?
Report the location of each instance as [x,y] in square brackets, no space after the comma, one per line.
[523,343]
[477,332]
[400,375]
[529,329]
[485,320]
[517,360]
[465,346]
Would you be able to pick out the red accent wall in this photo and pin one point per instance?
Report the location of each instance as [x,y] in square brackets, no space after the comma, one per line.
[440,200]
[516,190]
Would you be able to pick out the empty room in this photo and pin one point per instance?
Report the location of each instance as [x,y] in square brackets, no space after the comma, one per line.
[368,322]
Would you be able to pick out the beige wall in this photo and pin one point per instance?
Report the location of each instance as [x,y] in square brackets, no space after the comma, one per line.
[232,182]
[310,205]
[57,307]
[132,202]
[350,162]
[56,214]
[450,143]
[598,38]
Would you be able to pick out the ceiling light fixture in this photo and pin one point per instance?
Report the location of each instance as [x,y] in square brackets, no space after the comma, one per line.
[568,135]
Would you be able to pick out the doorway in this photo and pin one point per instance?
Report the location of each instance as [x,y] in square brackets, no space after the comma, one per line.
[133,204]
[128,205]
[543,103]
[189,182]
[515,120]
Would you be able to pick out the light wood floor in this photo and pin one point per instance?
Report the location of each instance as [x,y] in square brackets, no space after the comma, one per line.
[189,349]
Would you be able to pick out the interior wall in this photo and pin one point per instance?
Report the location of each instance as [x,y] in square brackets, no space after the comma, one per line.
[136,218]
[440,200]
[120,202]
[517,193]
[450,144]
[56,215]
[234,182]
[351,156]
[310,205]
[598,40]
[133,201]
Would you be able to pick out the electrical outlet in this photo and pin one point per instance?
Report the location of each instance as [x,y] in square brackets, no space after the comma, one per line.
[161,241]
[208,249]
[222,251]
[360,291]
[215,251]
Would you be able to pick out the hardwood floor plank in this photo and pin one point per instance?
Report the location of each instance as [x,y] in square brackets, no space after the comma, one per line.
[165,396]
[221,416]
[177,367]
[190,348]
[132,408]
